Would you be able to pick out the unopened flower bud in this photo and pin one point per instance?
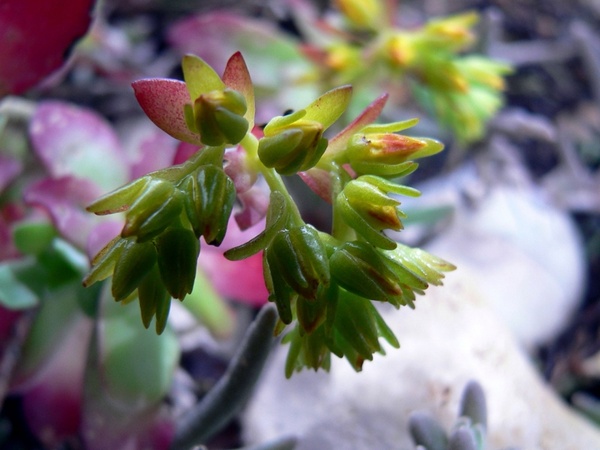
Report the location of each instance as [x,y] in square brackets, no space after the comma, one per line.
[294,148]
[385,153]
[359,268]
[178,250]
[135,261]
[154,300]
[300,256]
[219,117]
[209,202]
[155,209]
[366,207]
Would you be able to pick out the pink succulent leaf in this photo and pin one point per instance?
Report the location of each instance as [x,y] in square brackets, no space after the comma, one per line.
[132,376]
[65,199]
[33,45]
[50,371]
[319,181]
[9,214]
[74,141]
[255,203]
[10,168]
[163,102]
[147,149]
[237,77]
[184,152]
[369,115]
[237,280]
[58,387]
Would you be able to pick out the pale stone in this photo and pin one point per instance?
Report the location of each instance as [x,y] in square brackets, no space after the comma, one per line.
[453,336]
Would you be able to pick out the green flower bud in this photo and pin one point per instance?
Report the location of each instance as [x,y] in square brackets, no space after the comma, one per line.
[294,147]
[154,210]
[359,268]
[387,154]
[312,313]
[219,117]
[300,257]
[279,291]
[178,249]
[210,201]
[152,296]
[369,211]
[135,261]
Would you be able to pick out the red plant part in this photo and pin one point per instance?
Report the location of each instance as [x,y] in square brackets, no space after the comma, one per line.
[36,38]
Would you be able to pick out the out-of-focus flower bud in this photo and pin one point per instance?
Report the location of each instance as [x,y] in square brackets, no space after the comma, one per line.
[453,32]
[362,13]
[400,50]
[293,148]
[155,209]
[219,117]
[366,207]
[359,268]
[178,250]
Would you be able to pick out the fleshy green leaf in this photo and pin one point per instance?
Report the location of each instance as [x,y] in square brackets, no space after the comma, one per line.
[329,106]
[199,77]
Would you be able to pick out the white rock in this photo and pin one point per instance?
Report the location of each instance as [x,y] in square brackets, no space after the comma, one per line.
[452,337]
[526,256]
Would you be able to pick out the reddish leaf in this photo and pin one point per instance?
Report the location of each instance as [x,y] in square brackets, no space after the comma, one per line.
[163,100]
[65,200]
[35,37]
[74,141]
[237,77]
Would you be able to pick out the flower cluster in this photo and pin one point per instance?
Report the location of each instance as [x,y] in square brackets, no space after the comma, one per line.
[463,91]
[361,42]
[322,283]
